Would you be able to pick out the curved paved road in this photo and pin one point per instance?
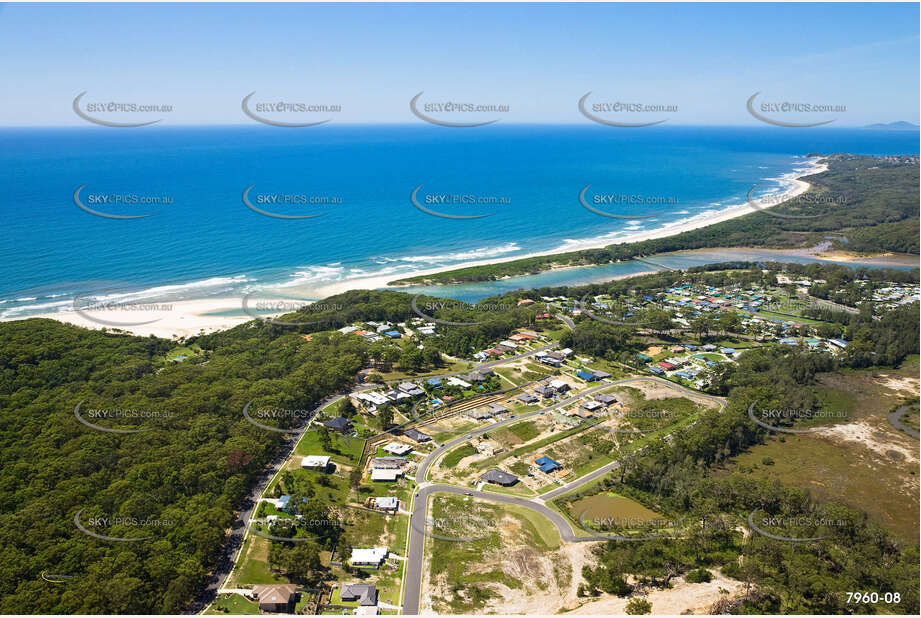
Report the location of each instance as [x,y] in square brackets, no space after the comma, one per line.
[241,524]
[895,419]
[418,518]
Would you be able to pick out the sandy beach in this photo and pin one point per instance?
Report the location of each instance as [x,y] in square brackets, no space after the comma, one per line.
[797,187]
[186,318]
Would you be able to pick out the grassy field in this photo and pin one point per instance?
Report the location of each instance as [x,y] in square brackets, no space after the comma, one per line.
[254,565]
[456,561]
[450,368]
[185,351]
[367,529]
[345,449]
[453,458]
[233,604]
[525,431]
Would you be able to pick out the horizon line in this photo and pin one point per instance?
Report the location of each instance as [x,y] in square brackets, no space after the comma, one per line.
[420,124]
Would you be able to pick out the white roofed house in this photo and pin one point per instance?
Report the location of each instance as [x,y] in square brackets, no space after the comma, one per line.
[368,556]
[315,462]
[386,503]
[398,448]
[385,474]
[458,382]
[372,400]
[411,389]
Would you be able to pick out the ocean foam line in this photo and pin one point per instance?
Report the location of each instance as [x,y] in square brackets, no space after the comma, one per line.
[160,293]
[785,183]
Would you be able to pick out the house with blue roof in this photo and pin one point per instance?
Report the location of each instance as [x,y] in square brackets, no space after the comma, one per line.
[728,351]
[546,464]
[393,334]
[434,382]
[586,375]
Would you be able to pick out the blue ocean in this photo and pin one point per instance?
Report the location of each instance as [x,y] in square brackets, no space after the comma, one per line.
[507,191]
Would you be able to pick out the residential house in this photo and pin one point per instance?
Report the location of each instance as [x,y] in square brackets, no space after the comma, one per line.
[546,464]
[370,556]
[388,463]
[276,598]
[397,448]
[411,389]
[387,503]
[315,462]
[385,474]
[365,594]
[499,477]
[339,423]
[415,434]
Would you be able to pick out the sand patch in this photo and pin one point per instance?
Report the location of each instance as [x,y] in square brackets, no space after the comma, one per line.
[682,598]
[871,438]
[906,385]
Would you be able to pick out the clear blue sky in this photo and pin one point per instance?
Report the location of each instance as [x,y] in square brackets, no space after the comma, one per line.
[537,58]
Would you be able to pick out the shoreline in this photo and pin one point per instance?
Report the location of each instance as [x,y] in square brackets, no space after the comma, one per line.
[186,318]
[799,186]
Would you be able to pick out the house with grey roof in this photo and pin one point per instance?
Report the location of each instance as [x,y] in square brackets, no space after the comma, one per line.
[388,463]
[418,436]
[365,594]
[499,477]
